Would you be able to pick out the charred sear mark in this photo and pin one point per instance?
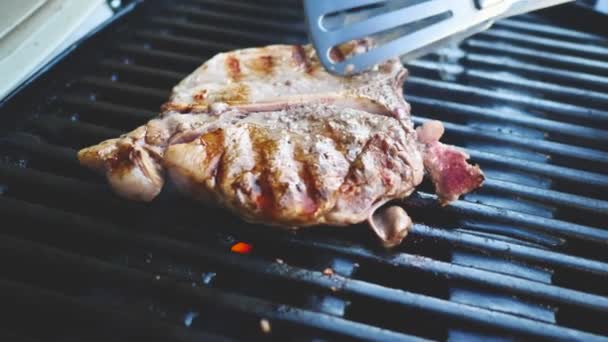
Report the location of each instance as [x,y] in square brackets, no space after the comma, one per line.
[232,94]
[220,170]
[263,148]
[337,137]
[354,178]
[213,142]
[233,68]
[177,107]
[311,202]
[299,56]
[214,145]
[262,65]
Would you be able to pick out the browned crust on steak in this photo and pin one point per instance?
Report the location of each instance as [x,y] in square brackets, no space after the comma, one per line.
[263,65]
[233,68]
[301,60]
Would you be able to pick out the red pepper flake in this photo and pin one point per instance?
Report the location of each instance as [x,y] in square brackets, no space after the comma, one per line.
[328,271]
[241,248]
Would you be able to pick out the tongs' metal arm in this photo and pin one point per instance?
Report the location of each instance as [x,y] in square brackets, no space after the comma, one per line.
[460,19]
[525,6]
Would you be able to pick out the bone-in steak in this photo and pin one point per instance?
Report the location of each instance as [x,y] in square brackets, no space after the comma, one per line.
[269,134]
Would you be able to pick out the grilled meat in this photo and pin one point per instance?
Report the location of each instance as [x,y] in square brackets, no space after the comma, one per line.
[270,135]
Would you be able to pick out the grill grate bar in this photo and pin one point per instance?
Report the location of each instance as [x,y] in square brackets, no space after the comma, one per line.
[207,15]
[550,108]
[214,31]
[503,49]
[199,45]
[42,305]
[33,144]
[547,196]
[473,210]
[549,90]
[154,73]
[460,273]
[544,44]
[125,88]
[88,108]
[254,8]
[513,233]
[60,127]
[246,264]
[552,30]
[177,59]
[537,255]
[462,111]
[575,78]
[583,178]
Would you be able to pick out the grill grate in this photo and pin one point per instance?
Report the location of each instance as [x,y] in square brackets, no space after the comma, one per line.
[523,257]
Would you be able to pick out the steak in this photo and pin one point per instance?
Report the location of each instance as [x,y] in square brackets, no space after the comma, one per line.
[270,135]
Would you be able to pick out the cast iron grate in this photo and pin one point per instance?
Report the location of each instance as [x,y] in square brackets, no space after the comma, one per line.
[524,257]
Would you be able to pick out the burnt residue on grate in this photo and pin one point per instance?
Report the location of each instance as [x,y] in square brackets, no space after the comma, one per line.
[524,257]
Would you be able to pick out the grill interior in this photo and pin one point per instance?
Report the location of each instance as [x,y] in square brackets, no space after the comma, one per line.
[524,257]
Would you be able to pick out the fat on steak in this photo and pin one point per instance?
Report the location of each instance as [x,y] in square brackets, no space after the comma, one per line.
[269,134]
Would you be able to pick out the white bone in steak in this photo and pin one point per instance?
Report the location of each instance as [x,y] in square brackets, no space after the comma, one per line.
[269,134]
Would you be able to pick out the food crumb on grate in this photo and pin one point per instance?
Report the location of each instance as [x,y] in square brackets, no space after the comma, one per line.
[333,289]
[157,277]
[280,261]
[328,271]
[207,277]
[265,326]
[189,317]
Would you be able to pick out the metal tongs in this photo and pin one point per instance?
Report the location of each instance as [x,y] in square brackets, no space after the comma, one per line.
[406,28]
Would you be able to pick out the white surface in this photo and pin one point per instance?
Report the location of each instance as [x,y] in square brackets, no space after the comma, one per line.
[13,13]
[39,32]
